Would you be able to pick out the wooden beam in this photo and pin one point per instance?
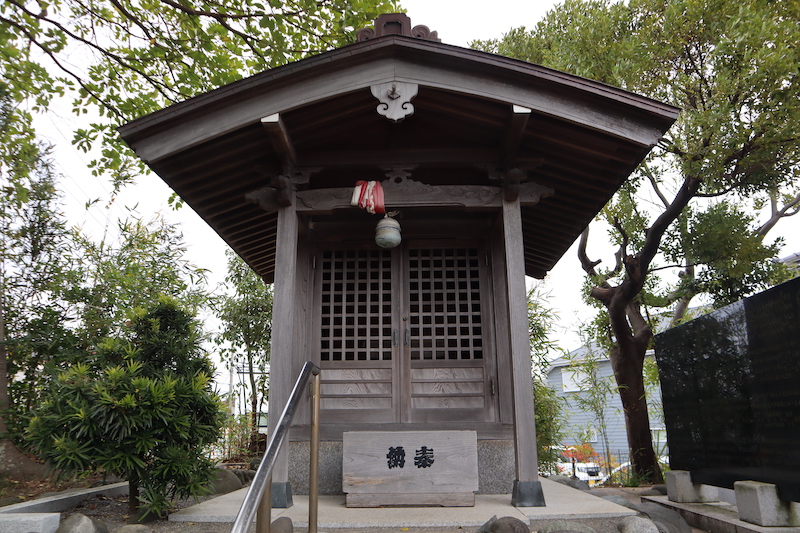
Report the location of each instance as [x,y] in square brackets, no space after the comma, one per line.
[279,138]
[502,325]
[411,193]
[601,108]
[383,158]
[243,230]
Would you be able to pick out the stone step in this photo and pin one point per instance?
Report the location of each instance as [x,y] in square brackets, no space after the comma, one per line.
[29,522]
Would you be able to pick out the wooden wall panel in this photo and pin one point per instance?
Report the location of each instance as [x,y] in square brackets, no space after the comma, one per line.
[355,403]
[448,402]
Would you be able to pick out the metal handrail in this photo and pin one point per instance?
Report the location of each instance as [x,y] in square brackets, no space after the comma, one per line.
[255,494]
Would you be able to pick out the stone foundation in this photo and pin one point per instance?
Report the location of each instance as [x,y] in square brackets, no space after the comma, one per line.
[496,471]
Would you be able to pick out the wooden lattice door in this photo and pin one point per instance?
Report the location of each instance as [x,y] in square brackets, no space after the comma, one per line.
[404,335]
[451,368]
[358,340]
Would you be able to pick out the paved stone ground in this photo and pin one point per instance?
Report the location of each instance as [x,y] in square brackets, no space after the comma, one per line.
[113,512]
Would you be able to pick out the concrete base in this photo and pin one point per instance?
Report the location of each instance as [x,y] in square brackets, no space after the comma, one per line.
[563,503]
[29,522]
[759,504]
[527,494]
[330,467]
[282,495]
[719,517]
[681,489]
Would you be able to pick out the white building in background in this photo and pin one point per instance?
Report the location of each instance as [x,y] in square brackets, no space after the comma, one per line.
[581,426]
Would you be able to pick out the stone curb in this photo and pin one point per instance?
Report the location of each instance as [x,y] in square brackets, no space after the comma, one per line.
[65,500]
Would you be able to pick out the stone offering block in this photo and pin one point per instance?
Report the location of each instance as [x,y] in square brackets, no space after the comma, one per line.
[413,468]
[730,384]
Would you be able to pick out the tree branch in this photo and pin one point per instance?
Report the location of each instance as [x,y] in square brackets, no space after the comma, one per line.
[652,179]
[637,266]
[218,16]
[49,53]
[128,15]
[162,88]
[778,214]
[587,264]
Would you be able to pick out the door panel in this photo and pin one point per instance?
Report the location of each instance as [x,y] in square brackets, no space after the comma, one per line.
[357,388]
[450,377]
[357,352]
[402,335]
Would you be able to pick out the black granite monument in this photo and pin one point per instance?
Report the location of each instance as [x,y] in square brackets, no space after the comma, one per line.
[730,383]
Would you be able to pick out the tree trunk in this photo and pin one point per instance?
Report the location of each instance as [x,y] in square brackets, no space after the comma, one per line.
[633,335]
[133,498]
[637,420]
[253,404]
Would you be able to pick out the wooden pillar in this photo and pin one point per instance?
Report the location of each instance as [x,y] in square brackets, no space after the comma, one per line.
[527,491]
[283,342]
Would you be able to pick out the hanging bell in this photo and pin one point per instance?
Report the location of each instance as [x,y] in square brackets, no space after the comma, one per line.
[387,233]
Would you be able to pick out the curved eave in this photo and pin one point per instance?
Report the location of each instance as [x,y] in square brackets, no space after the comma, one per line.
[398,58]
[212,149]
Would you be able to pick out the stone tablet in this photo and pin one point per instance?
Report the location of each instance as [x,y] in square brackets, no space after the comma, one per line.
[730,384]
[384,468]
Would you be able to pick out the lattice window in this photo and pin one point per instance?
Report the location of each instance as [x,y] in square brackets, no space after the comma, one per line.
[356,317]
[445,306]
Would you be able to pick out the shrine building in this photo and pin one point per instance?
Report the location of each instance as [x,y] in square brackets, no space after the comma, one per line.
[491,167]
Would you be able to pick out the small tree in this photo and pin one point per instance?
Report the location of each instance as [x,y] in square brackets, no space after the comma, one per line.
[140,407]
[35,270]
[594,394]
[246,318]
[547,406]
[549,417]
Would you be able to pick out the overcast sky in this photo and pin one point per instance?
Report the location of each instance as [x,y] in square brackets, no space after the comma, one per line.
[460,21]
[457,23]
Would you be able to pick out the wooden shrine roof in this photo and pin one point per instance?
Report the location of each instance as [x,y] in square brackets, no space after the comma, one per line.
[580,138]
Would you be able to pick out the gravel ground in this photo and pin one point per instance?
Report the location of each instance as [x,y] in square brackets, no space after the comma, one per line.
[113,512]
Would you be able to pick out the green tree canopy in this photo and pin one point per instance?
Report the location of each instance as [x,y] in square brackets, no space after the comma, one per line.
[732,68]
[123,59]
[141,406]
[144,260]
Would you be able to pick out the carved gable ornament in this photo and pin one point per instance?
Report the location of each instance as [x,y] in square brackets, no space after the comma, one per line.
[396,24]
[395,99]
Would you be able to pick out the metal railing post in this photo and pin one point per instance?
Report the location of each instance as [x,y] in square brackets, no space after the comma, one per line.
[313,469]
[264,512]
[255,498]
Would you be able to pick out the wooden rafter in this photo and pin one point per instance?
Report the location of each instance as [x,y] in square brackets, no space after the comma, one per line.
[281,141]
[516,128]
